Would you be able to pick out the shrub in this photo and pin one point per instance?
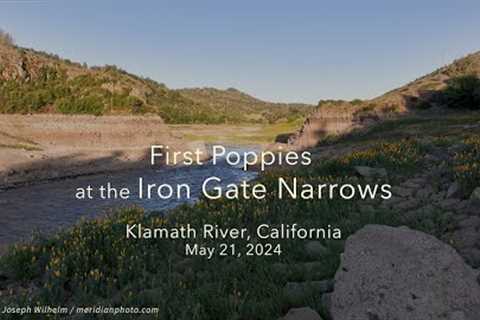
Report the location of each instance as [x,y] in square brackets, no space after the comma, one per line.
[85,105]
[403,155]
[423,105]
[6,38]
[356,102]
[463,92]
[467,164]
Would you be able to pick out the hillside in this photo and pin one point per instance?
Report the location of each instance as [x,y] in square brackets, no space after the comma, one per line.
[434,192]
[38,82]
[426,92]
[239,105]
[455,86]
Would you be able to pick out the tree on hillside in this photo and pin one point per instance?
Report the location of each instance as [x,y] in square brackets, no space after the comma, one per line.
[6,38]
[463,92]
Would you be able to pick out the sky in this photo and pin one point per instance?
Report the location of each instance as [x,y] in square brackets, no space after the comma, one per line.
[289,51]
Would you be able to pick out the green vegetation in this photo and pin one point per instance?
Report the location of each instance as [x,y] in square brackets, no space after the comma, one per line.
[423,105]
[403,155]
[6,38]
[19,146]
[236,133]
[54,90]
[238,107]
[107,93]
[461,67]
[356,102]
[15,142]
[463,92]
[38,82]
[410,127]
[93,263]
[467,164]
[327,102]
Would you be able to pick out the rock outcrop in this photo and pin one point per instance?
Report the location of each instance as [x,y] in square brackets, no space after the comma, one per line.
[476,194]
[324,122]
[302,314]
[369,172]
[399,273]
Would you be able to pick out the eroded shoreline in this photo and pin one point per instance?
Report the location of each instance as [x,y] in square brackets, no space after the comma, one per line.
[38,148]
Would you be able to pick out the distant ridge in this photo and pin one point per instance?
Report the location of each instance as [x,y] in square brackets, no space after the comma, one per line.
[243,106]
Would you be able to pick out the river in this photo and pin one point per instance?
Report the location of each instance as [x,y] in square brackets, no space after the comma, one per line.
[48,207]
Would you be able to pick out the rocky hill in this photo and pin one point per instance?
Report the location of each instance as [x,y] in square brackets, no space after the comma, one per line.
[456,85]
[38,82]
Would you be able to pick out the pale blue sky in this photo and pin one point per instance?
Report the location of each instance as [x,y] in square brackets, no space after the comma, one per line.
[276,50]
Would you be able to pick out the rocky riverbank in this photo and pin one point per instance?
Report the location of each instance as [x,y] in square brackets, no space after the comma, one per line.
[413,256]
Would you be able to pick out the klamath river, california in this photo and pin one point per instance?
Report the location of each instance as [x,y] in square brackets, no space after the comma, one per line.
[47,207]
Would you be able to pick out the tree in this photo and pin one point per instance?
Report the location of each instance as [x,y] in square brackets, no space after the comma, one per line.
[463,92]
[6,38]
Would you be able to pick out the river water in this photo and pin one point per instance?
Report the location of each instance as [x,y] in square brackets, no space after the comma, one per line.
[47,207]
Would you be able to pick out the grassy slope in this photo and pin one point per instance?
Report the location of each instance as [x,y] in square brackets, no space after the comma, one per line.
[243,106]
[252,134]
[94,264]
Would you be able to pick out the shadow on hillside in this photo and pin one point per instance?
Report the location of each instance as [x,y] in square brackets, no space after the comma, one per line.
[462,92]
[74,165]
[425,100]
[284,137]
[310,135]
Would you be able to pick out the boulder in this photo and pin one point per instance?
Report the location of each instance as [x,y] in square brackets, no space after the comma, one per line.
[454,190]
[448,203]
[399,273]
[369,172]
[472,256]
[402,192]
[424,192]
[302,314]
[457,148]
[475,194]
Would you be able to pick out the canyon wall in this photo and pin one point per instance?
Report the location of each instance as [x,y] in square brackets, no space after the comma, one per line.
[322,123]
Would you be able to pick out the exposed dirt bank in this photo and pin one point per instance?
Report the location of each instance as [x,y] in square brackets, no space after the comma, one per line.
[42,147]
[337,120]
